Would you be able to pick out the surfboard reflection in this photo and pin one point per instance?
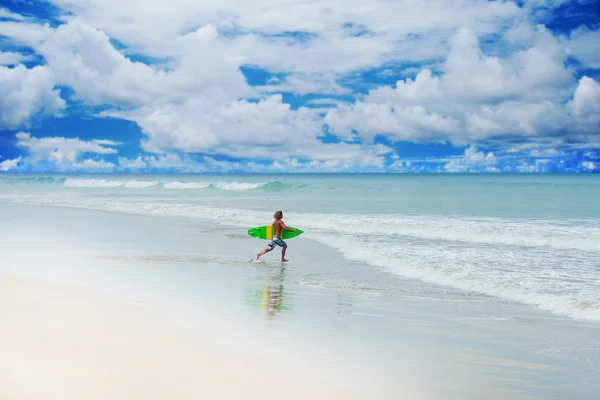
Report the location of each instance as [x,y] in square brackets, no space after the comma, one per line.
[270,296]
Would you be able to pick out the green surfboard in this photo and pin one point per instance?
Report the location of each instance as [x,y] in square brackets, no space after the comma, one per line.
[266,232]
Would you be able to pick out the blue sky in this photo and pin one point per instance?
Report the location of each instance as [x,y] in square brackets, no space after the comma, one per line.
[384,86]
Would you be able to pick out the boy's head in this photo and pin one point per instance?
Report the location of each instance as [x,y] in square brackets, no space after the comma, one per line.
[278,214]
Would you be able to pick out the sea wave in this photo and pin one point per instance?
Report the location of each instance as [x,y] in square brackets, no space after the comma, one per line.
[104,183]
[31,180]
[548,284]
[100,183]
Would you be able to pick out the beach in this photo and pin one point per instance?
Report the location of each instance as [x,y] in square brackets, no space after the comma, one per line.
[126,288]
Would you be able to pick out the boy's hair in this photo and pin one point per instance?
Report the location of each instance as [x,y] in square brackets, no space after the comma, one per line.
[278,214]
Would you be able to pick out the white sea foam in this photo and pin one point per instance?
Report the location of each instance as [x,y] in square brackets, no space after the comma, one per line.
[91,183]
[186,185]
[140,184]
[239,185]
[572,291]
[105,183]
[489,231]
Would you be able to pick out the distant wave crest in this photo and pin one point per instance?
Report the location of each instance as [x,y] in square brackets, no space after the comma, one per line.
[91,183]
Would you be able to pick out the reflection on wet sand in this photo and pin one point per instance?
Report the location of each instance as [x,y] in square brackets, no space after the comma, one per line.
[270,296]
[344,302]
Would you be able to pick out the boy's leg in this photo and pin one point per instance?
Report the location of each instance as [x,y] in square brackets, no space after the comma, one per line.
[283,249]
[265,250]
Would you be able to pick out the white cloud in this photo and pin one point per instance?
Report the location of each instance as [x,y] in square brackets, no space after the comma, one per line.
[196,99]
[589,165]
[533,166]
[586,101]
[401,165]
[473,160]
[26,93]
[475,98]
[151,27]
[303,85]
[60,148]
[527,168]
[293,164]
[28,33]
[396,122]
[8,165]
[546,153]
[11,58]
[324,102]
[64,153]
[83,58]
[336,161]
[4,13]
[267,129]
[172,161]
[133,164]
[187,32]
[583,44]
[90,165]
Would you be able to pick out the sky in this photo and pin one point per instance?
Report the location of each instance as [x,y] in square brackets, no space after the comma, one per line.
[300,86]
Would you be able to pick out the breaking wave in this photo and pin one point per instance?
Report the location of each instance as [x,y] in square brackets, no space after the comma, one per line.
[92,183]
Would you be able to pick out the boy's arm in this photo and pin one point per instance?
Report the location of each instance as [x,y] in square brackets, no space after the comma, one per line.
[284,226]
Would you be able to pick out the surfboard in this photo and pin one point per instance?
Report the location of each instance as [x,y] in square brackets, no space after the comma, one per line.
[266,232]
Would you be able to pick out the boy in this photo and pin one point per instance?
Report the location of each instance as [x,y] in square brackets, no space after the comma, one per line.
[278,227]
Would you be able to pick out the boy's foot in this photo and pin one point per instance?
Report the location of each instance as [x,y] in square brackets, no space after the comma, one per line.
[284,260]
[257,256]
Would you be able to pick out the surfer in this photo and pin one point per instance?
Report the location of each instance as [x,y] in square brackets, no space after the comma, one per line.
[278,227]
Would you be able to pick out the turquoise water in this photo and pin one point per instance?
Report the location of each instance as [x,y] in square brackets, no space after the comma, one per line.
[519,196]
[531,239]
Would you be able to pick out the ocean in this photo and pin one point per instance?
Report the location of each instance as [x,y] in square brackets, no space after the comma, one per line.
[533,239]
[515,256]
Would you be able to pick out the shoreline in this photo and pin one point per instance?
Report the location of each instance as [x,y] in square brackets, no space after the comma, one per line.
[355,338]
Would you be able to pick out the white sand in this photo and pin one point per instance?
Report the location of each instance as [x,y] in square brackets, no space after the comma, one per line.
[66,342]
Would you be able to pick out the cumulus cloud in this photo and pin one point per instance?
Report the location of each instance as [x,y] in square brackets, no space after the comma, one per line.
[176,73]
[91,165]
[132,164]
[331,39]
[267,129]
[11,58]
[27,93]
[585,105]
[64,153]
[589,165]
[473,160]
[4,13]
[582,44]
[172,161]
[476,98]
[293,164]
[196,106]
[83,58]
[307,84]
[330,31]
[60,148]
[397,122]
[8,165]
